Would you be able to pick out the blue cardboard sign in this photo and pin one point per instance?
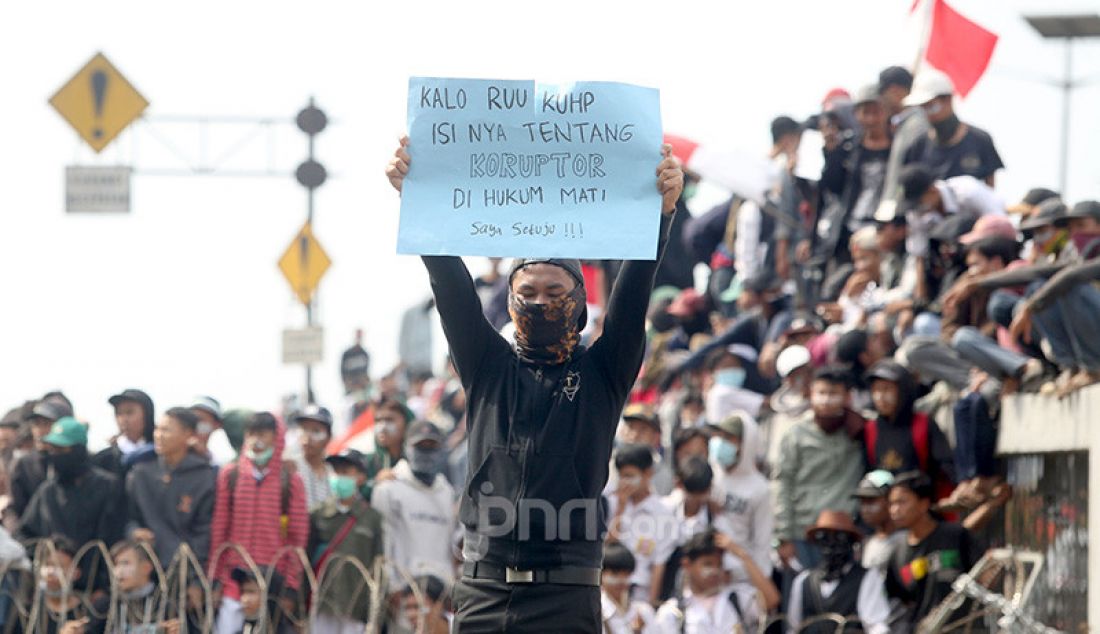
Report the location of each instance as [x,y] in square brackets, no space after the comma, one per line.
[526,169]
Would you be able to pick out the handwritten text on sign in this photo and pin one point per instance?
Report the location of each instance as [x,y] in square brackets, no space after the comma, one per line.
[519,168]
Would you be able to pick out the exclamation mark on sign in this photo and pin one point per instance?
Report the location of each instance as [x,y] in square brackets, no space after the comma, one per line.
[580,227]
[568,230]
[99,95]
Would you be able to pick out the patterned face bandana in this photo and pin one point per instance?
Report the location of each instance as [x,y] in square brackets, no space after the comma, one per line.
[547,333]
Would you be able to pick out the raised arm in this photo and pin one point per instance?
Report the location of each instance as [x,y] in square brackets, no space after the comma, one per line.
[468,333]
[619,350]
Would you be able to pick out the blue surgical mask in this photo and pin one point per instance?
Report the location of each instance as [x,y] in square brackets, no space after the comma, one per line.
[723,452]
[730,377]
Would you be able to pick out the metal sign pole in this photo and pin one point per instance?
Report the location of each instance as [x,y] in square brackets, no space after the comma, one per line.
[311,175]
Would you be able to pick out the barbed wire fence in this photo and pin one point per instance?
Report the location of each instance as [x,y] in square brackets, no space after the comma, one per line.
[184,596]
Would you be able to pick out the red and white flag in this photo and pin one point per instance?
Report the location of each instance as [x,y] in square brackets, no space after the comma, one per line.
[956,45]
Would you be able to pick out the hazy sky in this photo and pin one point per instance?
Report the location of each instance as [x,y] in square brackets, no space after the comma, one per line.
[182,296]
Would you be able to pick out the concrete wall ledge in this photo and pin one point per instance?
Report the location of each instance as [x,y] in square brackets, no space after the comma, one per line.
[1039,424]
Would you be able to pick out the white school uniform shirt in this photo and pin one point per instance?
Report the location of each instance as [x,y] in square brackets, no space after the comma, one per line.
[711,615]
[619,621]
[649,531]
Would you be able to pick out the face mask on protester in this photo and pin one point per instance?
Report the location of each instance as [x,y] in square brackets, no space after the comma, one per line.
[1081,239]
[946,129]
[836,553]
[68,466]
[204,428]
[343,487]
[631,483]
[260,454]
[388,428]
[318,436]
[1050,239]
[832,421]
[730,377]
[723,451]
[425,463]
[547,333]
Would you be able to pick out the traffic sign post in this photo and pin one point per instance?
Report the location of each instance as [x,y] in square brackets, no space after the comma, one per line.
[310,260]
[303,264]
[98,102]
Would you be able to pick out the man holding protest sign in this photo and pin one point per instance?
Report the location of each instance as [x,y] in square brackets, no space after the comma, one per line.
[542,415]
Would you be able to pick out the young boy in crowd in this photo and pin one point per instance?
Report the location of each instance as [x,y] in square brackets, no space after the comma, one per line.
[344,525]
[640,521]
[260,616]
[707,604]
[620,614]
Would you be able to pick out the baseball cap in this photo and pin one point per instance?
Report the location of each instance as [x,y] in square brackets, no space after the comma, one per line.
[888,212]
[734,424]
[792,358]
[954,227]
[867,94]
[51,410]
[888,370]
[834,95]
[1033,197]
[67,432]
[642,413]
[423,430]
[866,239]
[349,456]
[209,405]
[1085,209]
[989,226]
[804,322]
[927,85]
[14,418]
[1051,211]
[875,484]
[315,413]
[131,394]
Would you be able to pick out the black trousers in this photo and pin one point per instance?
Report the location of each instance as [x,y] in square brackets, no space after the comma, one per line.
[483,605]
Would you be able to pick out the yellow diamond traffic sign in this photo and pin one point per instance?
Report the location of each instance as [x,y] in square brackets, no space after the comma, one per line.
[98,102]
[304,264]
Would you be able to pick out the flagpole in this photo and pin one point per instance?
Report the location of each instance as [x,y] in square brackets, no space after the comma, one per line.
[926,9]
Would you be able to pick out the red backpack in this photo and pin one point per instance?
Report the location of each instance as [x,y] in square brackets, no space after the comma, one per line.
[919,430]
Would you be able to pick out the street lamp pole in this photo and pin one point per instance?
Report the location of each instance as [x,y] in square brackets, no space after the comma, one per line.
[1068,28]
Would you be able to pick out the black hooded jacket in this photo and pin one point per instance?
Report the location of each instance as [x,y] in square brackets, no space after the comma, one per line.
[894,450]
[112,459]
[540,436]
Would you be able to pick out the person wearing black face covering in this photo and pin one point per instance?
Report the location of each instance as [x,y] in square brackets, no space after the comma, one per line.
[951,147]
[541,417]
[839,584]
[417,507]
[77,500]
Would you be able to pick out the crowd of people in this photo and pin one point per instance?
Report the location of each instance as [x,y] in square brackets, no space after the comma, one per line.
[812,432]
[229,506]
